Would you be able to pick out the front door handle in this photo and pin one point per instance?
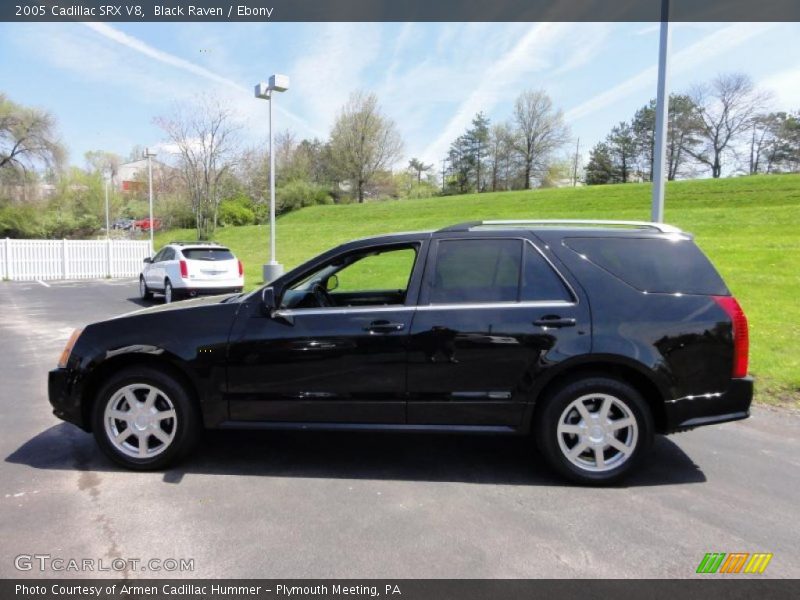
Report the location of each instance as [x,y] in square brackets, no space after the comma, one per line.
[383,326]
[555,321]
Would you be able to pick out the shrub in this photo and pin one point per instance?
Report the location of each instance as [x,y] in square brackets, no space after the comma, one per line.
[236,211]
[298,193]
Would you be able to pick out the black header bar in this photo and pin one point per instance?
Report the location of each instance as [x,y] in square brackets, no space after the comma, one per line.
[397,10]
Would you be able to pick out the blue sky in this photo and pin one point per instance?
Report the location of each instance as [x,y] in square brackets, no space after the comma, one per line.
[107,82]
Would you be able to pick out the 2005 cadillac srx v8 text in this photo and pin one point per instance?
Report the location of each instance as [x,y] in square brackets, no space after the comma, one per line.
[592,336]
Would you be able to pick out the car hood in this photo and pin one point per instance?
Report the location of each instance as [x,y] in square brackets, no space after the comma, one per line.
[182,305]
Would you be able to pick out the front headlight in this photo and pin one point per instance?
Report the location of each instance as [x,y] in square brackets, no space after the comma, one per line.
[62,362]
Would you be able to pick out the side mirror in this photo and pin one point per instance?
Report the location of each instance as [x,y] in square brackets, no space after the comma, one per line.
[148,260]
[332,283]
[268,300]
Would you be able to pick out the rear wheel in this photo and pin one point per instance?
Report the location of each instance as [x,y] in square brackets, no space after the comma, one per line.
[144,291]
[169,294]
[143,419]
[595,430]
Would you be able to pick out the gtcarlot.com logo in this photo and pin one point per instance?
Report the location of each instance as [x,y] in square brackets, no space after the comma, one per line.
[47,562]
[735,562]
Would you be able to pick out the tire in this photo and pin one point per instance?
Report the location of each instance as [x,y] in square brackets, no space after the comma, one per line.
[169,292]
[160,435]
[144,291]
[578,447]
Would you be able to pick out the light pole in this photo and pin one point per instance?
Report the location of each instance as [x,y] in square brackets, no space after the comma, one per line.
[277,83]
[150,155]
[108,233]
[662,112]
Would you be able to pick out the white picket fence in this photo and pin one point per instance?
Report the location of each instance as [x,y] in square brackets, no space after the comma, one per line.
[27,260]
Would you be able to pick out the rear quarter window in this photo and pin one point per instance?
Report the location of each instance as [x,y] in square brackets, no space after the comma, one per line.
[207,254]
[653,265]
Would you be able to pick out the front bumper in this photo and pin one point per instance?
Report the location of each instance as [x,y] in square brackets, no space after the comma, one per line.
[64,395]
[708,409]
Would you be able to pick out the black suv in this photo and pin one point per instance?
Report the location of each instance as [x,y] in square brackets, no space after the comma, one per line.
[591,335]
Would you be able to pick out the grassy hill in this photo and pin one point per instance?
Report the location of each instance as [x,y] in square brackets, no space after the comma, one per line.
[749,227]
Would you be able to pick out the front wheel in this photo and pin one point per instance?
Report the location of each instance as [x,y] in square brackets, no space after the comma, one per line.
[595,430]
[144,291]
[143,419]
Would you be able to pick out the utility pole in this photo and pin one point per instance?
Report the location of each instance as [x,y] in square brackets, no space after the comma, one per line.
[662,112]
[575,165]
[444,162]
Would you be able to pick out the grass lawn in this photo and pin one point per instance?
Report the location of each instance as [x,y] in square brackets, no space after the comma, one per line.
[749,227]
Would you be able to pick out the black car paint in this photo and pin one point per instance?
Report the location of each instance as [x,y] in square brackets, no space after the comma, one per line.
[475,368]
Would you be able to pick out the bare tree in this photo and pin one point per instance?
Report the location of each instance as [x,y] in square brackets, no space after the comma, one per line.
[363,142]
[540,130]
[725,109]
[28,138]
[204,137]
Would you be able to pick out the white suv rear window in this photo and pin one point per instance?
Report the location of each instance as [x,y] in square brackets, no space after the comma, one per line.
[207,254]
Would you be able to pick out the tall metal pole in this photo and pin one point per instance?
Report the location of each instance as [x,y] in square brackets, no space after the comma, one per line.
[272,260]
[662,112]
[107,219]
[150,185]
[575,164]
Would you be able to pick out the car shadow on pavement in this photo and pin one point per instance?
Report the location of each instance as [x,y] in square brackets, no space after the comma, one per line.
[507,460]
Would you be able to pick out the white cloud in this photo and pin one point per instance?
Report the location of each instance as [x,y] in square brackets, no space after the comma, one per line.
[331,67]
[533,52]
[712,45]
[785,85]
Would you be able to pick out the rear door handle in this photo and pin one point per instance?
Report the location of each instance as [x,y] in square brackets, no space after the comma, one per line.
[383,326]
[555,321]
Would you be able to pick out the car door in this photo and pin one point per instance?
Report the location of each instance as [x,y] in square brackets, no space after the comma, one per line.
[494,314]
[344,363]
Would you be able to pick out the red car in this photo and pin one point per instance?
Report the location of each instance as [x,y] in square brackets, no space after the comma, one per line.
[144,224]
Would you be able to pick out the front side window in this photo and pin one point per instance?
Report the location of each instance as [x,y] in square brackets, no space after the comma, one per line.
[374,277]
[478,270]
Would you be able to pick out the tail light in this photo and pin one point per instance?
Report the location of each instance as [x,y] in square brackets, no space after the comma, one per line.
[241,268]
[184,269]
[741,340]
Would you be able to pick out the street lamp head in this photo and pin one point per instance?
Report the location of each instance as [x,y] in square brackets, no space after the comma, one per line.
[279,83]
[262,91]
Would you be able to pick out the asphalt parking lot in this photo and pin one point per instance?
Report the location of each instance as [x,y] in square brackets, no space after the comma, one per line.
[301,504]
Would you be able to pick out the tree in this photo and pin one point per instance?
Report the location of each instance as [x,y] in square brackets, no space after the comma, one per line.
[363,142]
[600,168]
[28,138]
[477,138]
[725,110]
[100,161]
[501,156]
[623,147]
[683,130]
[204,137]
[540,130]
[418,167]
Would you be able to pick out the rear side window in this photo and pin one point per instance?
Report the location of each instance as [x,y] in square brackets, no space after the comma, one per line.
[476,271]
[539,281]
[207,254]
[653,264]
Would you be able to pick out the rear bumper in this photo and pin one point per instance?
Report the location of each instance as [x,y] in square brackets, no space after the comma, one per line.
[64,396]
[708,409]
[194,290]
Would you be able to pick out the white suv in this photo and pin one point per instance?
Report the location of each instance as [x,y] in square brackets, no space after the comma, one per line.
[183,269]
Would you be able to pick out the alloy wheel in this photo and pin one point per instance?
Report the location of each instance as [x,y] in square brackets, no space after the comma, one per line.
[597,432]
[140,420]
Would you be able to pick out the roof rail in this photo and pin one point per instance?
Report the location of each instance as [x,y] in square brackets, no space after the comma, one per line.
[662,227]
[195,243]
